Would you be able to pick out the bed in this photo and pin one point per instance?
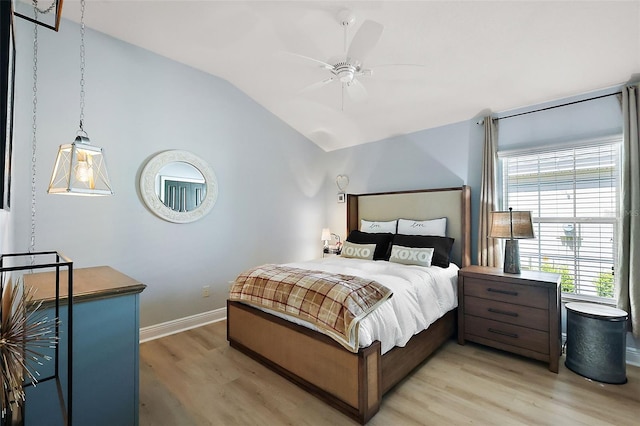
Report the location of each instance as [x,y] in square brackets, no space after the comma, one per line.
[355,382]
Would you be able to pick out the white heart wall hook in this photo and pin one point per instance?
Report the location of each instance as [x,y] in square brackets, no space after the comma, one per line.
[342,181]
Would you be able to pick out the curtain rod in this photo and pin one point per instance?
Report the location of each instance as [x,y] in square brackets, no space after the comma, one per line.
[558,106]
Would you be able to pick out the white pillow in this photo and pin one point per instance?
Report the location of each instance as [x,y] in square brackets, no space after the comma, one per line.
[436,227]
[411,255]
[358,251]
[378,227]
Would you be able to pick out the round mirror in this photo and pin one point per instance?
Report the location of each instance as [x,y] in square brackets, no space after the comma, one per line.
[178,186]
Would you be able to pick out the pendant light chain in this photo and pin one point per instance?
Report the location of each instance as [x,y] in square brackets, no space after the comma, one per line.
[82,65]
[34,125]
[32,242]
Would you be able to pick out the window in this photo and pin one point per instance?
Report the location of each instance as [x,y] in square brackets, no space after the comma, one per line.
[573,194]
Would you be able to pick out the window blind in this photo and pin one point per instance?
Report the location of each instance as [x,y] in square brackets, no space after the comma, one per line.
[573,195]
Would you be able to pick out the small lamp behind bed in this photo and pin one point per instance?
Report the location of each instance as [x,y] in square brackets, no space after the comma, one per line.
[511,225]
[326,237]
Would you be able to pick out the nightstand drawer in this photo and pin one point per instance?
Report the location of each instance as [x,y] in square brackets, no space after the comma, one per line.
[526,295]
[524,316]
[514,335]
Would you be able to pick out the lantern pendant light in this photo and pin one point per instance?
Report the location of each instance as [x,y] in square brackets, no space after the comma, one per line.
[80,167]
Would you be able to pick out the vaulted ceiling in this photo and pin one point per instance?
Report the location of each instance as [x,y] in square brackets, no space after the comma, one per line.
[474,55]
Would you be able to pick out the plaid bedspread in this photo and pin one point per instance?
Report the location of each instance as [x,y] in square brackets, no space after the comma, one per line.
[334,303]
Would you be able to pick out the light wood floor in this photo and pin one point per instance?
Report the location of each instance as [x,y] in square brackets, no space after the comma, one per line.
[195,378]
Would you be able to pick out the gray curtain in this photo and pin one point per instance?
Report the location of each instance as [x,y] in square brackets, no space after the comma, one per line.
[628,270]
[488,248]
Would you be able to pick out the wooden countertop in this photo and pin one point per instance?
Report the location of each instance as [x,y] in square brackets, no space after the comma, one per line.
[89,284]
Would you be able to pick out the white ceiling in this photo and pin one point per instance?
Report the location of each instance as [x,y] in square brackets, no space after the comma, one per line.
[477,55]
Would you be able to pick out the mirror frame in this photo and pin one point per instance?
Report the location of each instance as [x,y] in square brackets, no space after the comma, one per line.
[152,200]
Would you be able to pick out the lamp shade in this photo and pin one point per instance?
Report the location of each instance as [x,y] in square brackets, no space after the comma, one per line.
[80,169]
[511,224]
[326,234]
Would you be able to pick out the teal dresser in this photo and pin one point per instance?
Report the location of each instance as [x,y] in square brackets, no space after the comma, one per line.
[105,350]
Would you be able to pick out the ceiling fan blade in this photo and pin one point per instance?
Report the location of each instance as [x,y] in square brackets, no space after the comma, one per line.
[356,90]
[365,40]
[316,85]
[307,58]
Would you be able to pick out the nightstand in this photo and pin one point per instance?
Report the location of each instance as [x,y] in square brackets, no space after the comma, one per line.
[519,313]
[331,252]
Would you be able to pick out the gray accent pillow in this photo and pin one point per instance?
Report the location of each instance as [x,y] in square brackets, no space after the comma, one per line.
[358,251]
[442,246]
[411,255]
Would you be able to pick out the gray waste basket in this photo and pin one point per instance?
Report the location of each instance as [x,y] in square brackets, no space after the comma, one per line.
[596,342]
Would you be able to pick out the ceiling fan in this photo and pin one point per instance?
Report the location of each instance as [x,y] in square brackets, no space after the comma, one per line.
[348,68]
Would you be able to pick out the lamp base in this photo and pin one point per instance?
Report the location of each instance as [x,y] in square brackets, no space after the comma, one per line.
[511,257]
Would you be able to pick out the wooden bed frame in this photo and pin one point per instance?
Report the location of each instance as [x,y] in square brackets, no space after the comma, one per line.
[354,383]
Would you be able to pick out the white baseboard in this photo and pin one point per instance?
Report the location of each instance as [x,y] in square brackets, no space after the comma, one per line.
[181,324]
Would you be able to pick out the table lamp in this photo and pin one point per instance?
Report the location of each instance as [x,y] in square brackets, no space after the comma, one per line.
[511,225]
[326,237]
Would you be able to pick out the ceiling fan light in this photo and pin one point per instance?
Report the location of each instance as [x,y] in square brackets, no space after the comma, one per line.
[345,76]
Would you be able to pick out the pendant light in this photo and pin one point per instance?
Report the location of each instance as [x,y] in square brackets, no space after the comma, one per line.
[80,167]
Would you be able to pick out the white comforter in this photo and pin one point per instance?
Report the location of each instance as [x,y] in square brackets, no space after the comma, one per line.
[420,296]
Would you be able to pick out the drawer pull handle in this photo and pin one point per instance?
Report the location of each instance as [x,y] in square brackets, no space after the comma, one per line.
[507,292]
[498,311]
[503,333]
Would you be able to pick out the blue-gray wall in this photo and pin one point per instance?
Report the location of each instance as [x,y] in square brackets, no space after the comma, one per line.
[447,156]
[568,124]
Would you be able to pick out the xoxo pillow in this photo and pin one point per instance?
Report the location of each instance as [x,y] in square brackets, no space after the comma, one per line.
[411,255]
[441,245]
[358,251]
[381,240]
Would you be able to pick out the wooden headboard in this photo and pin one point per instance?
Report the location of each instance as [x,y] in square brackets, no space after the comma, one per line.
[452,203]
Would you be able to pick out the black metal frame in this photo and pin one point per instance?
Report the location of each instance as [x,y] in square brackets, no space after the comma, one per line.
[61,261]
[7,96]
